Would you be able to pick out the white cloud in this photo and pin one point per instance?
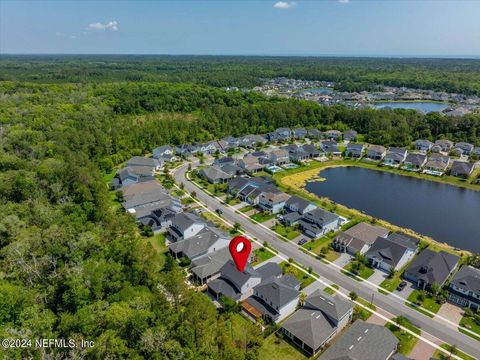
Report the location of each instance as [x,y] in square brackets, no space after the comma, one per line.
[284,4]
[111,25]
[343,1]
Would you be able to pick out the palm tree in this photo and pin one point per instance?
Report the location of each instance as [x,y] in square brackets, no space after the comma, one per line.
[301,298]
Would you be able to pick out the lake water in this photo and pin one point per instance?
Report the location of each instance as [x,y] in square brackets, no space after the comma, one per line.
[444,212]
[422,106]
[320,90]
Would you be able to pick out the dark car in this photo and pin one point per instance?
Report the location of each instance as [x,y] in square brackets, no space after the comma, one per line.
[401,286]
[302,241]
[219,212]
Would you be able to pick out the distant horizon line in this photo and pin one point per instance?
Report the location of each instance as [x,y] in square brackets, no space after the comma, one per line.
[396,56]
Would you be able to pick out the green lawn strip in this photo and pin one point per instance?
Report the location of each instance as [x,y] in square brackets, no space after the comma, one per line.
[428,303]
[330,289]
[363,313]
[364,273]
[262,173]
[158,243]
[275,347]
[233,201]
[407,341]
[260,217]
[442,356]
[305,279]
[470,324]
[246,208]
[290,232]
[261,255]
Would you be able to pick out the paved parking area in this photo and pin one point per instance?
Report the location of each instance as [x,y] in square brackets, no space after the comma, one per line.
[343,260]
[451,312]
[405,293]
[270,223]
[422,351]
[377,277]
[275,259]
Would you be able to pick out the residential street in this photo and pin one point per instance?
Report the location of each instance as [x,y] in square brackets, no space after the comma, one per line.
[435,327]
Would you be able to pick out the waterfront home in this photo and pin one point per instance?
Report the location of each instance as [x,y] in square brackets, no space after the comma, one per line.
[184,226]
[395,156]
[272,201]
[330,147]
[299,133]
[376,152]
[280,134]
[318,222]
[350,135]
[165,153]
[208,240]
[464,148]
[250,164]
[321,317]
[333,134]
[295,152]
[354,150]
[363,341]
[464,289]
[141,161]
[437,164]
[423,145]
[297,204]
[273,299]
[234,284]
[431,267]
[279,157]
[358,238]
[314,133]
[462,169]
[391,252]
[311,150]
[443,145]
[414,161]
[214,174]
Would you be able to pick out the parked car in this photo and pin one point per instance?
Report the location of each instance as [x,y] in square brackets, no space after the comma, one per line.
[401,286]
[219,212]
[302,241]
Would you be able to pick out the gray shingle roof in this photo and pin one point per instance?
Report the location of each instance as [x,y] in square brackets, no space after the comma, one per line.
[196,245]
[462,167]
[334,307]
[275,293]
[322,217]
[364,232]
[298,202]
[210,264]
[269,270]
[415,159]
[433,267]
[468,279]
[387,250]
[404,239]
[237,278]
[362,341]
[183,221]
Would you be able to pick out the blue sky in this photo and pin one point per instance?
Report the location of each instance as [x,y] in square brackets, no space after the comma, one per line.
[345,27]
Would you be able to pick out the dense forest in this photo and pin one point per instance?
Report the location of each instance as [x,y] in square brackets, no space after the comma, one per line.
[71,266]
[351,74]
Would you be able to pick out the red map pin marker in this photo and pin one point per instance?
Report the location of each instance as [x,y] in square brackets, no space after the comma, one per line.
[240,249]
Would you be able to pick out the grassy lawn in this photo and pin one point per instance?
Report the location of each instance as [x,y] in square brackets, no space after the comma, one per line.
[215,220]
[329,289]
[290,232]
[365,272]
[391,284]
[261,255]
[317,244]
[260,217]
[363,313]
[441,356]
[428,303]
[275,347]
[262,173]
[233,201]
[470,324]
[158,243]
[305,279]
[246,208]
[407,341]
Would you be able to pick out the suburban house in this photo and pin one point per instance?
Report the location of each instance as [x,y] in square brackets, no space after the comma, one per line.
[350,135]
[414,161]
[392,252]
[208,240]
[431,267]
[443,145]
[354,150]
[462,168]
[317,222]
[250,189]
[141,161]
[311,150]
[186,149]
[464,288]
[423,145]
[132,175]
[232,142]
[333,134]
[207,148]
[250,164]
[279,157]
[395,156]
[297,204]
[165,153]
[158,219]
[296,153]
[358,238]
[224,161]
[143,203]
[251,141]
[476,151]
[376,152]
[437,164]
[314,133]
[272,200]
[273,299]
[280,134]
[363,341]
[464,148]
[234,284]
[215,174]
[128,192]
[330,147]
[318,321]
[299,133]
[184,226]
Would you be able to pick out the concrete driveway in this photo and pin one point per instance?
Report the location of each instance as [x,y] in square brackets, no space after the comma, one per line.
[378,277]
[451,312]
[343,260]
[275,259]
[407,290]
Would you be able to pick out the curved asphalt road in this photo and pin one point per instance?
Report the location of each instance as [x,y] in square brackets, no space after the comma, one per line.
[434,327]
